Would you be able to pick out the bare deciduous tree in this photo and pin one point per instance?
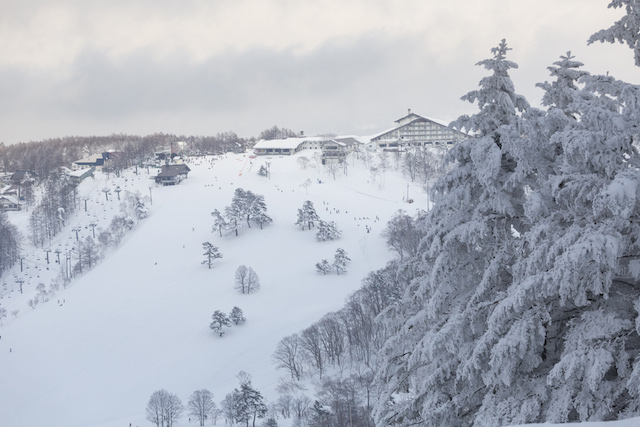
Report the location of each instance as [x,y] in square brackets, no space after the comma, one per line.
[312,347]
[201,404]
[288,355]
[246,280]
[164,408]
[402,235]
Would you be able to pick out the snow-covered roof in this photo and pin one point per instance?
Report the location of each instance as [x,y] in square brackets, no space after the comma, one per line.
[375,135]
[92,159]
[173,170]
[293,143]
[347,140]
[79,173]
[10,199]
[290,143]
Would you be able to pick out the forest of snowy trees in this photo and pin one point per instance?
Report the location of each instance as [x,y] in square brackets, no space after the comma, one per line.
[520,302]
[525,305]
[46,156]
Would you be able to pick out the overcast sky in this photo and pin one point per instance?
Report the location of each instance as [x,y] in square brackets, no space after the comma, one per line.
[199,67]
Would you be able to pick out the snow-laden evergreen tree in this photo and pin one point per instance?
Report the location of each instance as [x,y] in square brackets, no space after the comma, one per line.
[211,253]
[578,274]
[327,230]
[340,260]
[251,404]
[626,30]
[246,199]
[245,207]
[219,222]
[526,305]
[432,374]
[257,210]
[237,316]
[246,404]
[218,321]
[236,213]
[307,216]
[323,267]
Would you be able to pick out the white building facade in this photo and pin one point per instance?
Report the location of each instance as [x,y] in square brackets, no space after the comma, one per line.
[416,130]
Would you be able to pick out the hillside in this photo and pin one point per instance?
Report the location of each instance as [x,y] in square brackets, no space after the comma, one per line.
[138,322]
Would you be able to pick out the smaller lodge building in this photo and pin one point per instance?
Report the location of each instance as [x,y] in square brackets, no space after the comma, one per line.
[336,147]
[172,174]
[9,203]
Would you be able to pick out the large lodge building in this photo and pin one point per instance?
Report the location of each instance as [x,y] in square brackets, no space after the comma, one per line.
[410,130]
[415,130]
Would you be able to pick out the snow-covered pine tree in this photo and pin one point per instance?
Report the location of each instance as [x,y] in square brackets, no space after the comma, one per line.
[238,210]
[234,217]
[258,211]
[323,267]
[340,260]
[577,275]
[433,369]
[625,30]
[327,230]
[247,199]
[237,316]
[218,321]
[219,222]
[211,253]
[307,216]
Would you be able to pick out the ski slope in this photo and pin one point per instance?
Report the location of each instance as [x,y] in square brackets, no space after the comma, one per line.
[138,321]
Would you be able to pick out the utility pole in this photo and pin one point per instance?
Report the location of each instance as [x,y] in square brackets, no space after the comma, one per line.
[20,281]
[77,230]
[47,251]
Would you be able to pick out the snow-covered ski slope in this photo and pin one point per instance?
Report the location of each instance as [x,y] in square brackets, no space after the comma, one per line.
[139,321]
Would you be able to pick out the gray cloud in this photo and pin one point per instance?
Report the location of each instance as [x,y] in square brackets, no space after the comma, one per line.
[345,81]
[334,86]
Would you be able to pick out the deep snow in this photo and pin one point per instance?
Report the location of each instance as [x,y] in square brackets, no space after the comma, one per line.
[138,322]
